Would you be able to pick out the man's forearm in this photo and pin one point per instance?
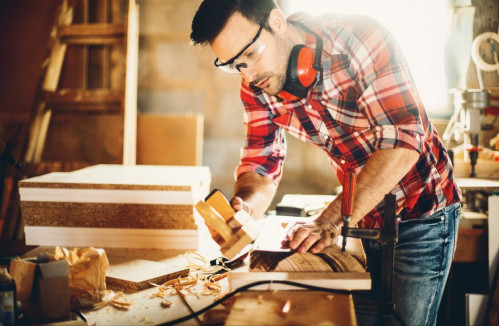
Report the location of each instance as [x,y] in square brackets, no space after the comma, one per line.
[256,190]
[384,169]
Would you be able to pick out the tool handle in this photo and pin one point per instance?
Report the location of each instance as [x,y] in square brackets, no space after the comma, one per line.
[349,179]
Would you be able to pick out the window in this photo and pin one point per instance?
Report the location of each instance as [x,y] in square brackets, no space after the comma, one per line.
[420,29]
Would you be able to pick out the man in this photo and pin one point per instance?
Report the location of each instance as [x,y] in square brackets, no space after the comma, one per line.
[364,111]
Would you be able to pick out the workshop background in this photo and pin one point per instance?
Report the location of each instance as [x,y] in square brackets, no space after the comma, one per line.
[178,79]
[189,112]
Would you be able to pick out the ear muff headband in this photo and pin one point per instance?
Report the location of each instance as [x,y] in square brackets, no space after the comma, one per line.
[303,67]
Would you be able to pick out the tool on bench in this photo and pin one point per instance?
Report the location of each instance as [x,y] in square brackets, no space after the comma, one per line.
[388,235]
[232,230]
[230,264]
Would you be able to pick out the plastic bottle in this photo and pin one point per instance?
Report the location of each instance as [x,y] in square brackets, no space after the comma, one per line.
[7,298]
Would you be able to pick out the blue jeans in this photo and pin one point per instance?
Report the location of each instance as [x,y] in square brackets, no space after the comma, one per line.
[423,256]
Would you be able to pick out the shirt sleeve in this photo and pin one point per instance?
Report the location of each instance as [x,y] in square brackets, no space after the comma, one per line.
[265,149]
[389,98]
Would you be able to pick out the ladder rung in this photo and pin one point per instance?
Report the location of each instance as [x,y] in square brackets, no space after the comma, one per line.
[92,33]
[102,100]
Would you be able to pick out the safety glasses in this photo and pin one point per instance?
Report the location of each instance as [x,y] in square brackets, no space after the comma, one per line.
[245,58]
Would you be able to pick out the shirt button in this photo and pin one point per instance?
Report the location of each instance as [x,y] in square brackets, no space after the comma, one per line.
[309,107]
[442,218]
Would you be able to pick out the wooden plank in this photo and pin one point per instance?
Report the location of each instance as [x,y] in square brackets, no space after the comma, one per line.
[92,40]
[292,308]
[339,281]
[112,238]
[130,275]
[169,139]
[477,184]
[108,215]
[140,177]
[269,255]
[92,30]
[93,96]
[130,106]
[81,101]
[49,81]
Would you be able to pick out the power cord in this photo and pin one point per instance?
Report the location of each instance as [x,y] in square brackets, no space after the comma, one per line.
[305,286]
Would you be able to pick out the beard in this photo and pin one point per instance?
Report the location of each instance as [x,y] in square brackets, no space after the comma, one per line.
[277,78]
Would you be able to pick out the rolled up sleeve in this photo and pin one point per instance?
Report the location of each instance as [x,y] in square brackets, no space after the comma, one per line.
[265,149]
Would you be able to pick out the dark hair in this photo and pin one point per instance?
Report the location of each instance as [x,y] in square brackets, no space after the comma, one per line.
[212,15]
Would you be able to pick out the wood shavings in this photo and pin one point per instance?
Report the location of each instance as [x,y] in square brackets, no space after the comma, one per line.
[218,277]
[330,297]
[213,287]
[200,264]
[168,288]
[185,282]
[260,299]
[193,293]
[146,321]
[192,256]
[165,303]
[114,299]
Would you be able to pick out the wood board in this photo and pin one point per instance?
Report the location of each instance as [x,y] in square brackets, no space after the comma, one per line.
[339,281]
[110,205]
[170,139]
[269,255]
[112,238]
[138,274]
[311,308]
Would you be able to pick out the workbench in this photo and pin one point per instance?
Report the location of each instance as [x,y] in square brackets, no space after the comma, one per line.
[255,307]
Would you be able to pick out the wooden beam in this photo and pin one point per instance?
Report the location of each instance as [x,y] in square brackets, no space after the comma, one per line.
[92,40]
[96,29]
[84,101]
[51,70]
[94,96]
[130,107]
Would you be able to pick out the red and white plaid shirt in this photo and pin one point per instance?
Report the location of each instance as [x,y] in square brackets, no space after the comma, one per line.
[364,100]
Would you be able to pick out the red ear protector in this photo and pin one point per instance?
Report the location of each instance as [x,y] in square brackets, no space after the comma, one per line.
[303,67]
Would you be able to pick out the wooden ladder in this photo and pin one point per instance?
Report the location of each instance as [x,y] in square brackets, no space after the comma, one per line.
[97,33]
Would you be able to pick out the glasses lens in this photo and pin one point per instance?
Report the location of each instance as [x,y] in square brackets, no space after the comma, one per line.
[230,68]
[251,56]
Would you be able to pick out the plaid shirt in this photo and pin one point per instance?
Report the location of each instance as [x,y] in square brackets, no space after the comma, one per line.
[364,100]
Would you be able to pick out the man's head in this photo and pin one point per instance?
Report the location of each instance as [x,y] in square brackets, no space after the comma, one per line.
[248,37]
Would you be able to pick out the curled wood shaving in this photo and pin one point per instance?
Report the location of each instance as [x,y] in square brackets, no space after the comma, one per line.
[185,282]
[192,256]
[213,287]
[165,303]
[217,277]
[166,289]
[115,299]
[200,264]
[330,297]
[193,293]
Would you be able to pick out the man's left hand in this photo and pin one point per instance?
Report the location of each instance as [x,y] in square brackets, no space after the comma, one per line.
[309,236]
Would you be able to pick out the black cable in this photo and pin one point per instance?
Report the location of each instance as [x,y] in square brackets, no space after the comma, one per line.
[79,314]
[305,286]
